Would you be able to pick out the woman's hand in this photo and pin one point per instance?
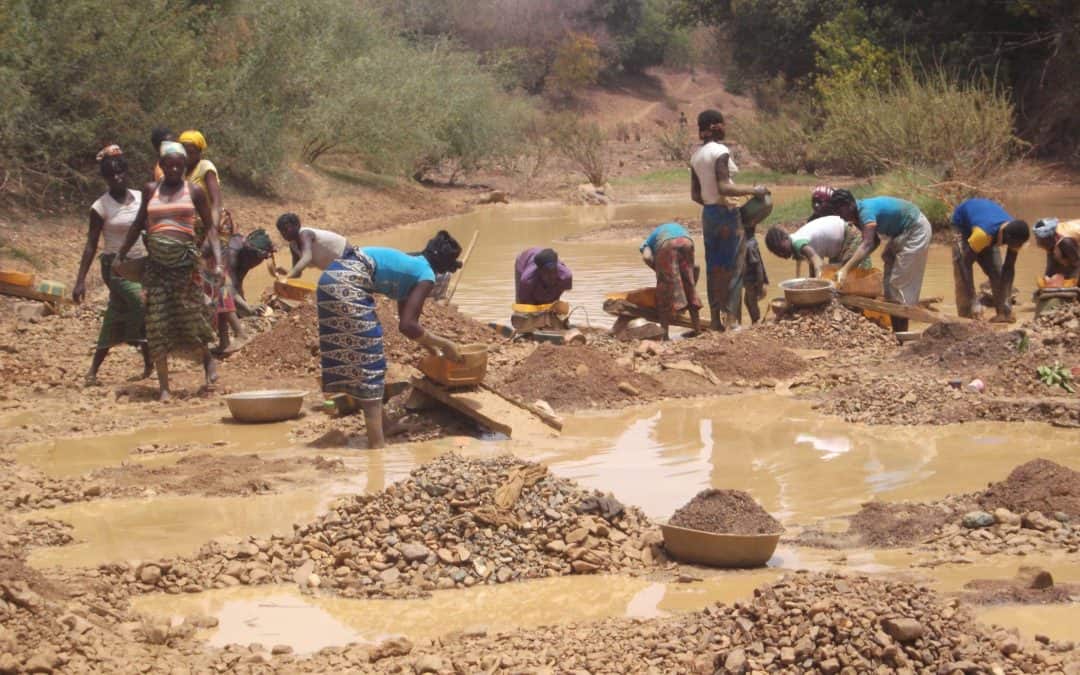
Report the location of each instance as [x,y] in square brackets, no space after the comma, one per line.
[78,294]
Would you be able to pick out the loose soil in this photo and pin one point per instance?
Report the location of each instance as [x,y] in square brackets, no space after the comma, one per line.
[1020,590]
[745,355]
[1038,485]
[574,377]
[887,525]
[725,512]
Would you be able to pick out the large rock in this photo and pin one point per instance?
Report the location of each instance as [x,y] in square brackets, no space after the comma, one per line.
[413,552]
[977,519]
[735,661]
[903,630]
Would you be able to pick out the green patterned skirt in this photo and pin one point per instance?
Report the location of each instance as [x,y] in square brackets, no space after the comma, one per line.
[124,318]
[176,314]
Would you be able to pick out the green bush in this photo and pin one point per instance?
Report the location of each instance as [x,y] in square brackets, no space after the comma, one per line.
[582,143]
[928,120]
[779,141]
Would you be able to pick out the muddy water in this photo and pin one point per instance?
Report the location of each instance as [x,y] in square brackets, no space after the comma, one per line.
[282,615]
[1058,622]
[800,465]
[75,456]
[604,266]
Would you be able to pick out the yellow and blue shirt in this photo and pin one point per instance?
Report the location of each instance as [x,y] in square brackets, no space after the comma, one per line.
[978,221]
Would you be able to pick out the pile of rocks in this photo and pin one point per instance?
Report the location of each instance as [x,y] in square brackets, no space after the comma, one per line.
[1006,532]
[833,327]
[823,623]
[24,488]
[1060,327]
[454,522]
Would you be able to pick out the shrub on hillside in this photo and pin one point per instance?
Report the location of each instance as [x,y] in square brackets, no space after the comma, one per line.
[576,66]
[582,143]
[920,120]
[779,141]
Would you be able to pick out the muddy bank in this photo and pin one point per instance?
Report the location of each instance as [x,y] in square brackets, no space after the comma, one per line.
[1035,509]
[1030,586]
[823,623]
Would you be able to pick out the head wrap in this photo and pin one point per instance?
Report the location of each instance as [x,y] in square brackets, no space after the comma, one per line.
[821,194]
[172,148]
[442,252]
[193,137]
[546,258]
[259,240]
[1046,228]
[109,151]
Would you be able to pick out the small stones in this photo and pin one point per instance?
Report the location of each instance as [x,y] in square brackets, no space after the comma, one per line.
[1006,517]
[413,552]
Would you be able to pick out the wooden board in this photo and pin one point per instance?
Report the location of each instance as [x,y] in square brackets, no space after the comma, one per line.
[487,408]
[30,294]
[619,307]
[913,312]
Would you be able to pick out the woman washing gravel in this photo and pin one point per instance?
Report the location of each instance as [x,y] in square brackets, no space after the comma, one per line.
[350,334]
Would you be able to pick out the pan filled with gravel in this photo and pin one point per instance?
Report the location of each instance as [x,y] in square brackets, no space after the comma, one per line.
[722,528]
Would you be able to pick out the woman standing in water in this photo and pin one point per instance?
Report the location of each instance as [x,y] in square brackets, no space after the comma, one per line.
[350,335]
[111,217]
[176,320]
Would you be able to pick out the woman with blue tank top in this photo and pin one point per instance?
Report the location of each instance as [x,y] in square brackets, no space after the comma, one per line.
[350,334]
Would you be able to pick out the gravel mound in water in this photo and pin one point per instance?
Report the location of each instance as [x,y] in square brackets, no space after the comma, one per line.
[452,523]
[573,377]
[1038,485]
[803,623]
[885,525]
[725,512]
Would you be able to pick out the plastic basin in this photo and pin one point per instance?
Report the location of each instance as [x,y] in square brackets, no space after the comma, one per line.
[719,550]
[294,289]
[14,278]
[267,405]
[803,292]
[468,373]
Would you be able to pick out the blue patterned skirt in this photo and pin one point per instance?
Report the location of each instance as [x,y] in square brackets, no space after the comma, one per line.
[350,335]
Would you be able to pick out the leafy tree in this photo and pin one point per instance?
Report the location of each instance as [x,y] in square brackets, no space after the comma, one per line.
[577,65]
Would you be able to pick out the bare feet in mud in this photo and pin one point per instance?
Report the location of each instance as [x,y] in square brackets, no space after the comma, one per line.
[91,381]
[164,396]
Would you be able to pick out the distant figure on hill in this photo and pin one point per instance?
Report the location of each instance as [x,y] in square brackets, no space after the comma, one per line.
[982,226]
[540,278]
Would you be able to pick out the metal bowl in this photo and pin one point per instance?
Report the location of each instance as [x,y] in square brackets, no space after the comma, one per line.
[803,292]
[266,405]
[719,550]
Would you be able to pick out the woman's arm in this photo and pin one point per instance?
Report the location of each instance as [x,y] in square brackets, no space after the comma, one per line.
[409,323]
[213,190]
[202,207]
[93,235]
[301,262]
[728,189]
[139,225]
[868,244]
[817,265]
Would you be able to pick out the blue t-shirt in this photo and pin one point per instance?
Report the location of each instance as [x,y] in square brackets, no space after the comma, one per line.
[978,221]
[893,216]
[397,272]
[662,234]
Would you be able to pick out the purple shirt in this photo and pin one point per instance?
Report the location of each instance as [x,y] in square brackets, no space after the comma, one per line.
[530,288]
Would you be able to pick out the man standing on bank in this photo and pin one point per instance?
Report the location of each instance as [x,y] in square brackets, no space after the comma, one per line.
[983,225]
[713,186]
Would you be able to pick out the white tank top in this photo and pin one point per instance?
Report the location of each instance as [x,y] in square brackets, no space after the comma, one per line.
[118,219]
[326,248]
[703,163]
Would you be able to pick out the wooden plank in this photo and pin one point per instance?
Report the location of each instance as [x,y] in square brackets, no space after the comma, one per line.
[30,294]
[913,312]
[553,422]
[619,307]
[487,408]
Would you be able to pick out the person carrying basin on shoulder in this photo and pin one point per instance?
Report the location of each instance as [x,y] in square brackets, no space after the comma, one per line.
[713,186]
[540,278]
[982,226]
[825,239]
[669,251]
[111,217]
[908,233]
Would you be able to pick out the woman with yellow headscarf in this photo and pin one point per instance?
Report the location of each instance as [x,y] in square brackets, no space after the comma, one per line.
[203,173]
